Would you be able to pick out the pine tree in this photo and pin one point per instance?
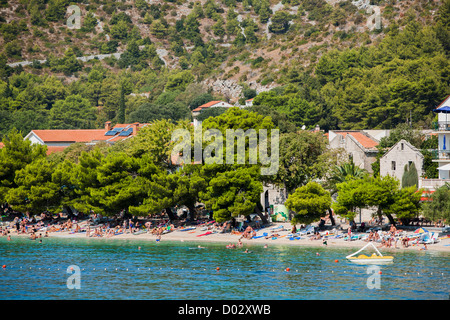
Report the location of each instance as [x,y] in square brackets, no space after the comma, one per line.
[410,177]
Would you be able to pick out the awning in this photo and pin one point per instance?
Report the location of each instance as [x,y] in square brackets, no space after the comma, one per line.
[445,109]
[444,167]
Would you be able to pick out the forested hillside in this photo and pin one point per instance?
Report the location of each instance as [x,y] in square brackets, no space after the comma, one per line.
[316,62]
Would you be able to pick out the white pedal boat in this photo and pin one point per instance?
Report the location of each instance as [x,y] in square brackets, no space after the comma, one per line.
[373,259]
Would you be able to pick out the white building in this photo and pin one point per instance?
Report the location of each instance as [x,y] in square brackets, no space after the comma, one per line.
[442,127]
[58,140]
[212,104]
[400,154]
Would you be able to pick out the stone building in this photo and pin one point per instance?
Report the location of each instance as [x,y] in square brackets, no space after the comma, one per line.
[400,154]
[360,146]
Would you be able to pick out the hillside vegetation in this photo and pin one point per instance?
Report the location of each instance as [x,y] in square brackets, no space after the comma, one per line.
[316,62]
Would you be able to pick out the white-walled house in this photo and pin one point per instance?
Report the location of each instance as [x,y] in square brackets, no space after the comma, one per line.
[58,140]
[212,104]
[400,154]
[442,128]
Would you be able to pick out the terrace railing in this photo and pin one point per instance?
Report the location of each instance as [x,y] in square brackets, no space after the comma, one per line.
[441,125]
[440,154]
[432,183]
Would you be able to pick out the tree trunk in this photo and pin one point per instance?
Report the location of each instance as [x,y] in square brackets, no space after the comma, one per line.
[391,219]
[69,212]
[261,215]
[389,216]
[192,212]
[333,222]
[170,214]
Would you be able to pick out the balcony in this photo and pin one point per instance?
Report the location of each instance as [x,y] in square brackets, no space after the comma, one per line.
[441,125]
[432,184]
[440,154]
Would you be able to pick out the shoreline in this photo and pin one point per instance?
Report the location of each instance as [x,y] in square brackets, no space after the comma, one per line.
[228,238]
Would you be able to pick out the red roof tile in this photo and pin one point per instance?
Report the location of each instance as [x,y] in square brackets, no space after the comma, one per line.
[442,103]
[364,140]
[206,105]
[71,135]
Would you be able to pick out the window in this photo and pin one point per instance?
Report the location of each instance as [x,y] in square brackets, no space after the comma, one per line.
[393,165]
[401,146]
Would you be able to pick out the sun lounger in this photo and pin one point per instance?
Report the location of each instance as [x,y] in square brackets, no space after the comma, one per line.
[308,230]
[428,238]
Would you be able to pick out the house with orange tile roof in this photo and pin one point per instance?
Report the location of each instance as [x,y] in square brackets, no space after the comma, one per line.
[249,102]
[58,140]
[360,146]
[212,104]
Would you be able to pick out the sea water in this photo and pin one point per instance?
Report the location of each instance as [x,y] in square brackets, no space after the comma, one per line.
[138,269]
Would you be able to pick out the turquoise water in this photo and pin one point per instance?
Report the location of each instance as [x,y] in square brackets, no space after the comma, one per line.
[118,269]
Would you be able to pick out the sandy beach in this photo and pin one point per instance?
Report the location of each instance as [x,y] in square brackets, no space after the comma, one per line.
[194,235]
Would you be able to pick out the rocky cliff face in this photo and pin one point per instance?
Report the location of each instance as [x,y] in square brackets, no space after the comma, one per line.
[231,89]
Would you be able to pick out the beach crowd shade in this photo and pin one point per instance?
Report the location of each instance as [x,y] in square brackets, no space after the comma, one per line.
[214,151]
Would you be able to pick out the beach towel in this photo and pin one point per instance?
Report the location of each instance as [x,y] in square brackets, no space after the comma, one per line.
[265,234]
[257,237]
[186,229]
[204,234]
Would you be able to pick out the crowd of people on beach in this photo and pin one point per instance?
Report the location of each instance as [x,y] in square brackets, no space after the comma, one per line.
[94,225]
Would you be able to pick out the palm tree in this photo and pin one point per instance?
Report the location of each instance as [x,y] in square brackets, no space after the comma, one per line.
[342,173]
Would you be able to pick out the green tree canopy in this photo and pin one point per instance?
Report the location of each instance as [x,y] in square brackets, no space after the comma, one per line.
[34,192]
[309,202]
[74,112]
[439,205]
[16,154]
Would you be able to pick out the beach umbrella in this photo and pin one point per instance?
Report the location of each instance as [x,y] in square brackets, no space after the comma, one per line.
[421,230]
[445,109]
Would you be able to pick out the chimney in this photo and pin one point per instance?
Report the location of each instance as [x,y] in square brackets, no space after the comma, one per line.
[135,128]
[108,125]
